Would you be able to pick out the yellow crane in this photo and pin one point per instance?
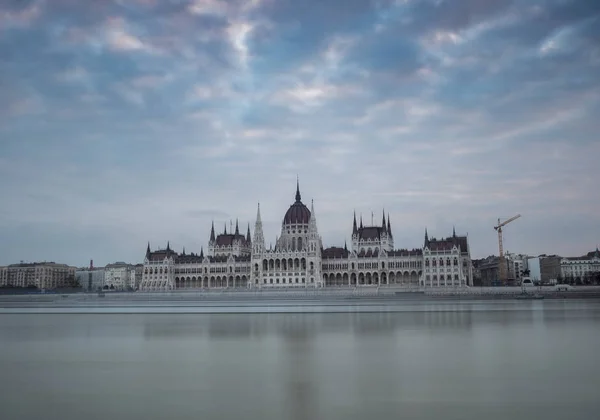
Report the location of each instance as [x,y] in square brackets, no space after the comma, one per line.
[501,263]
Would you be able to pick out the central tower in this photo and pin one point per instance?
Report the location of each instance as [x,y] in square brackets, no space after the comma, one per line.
[296,259]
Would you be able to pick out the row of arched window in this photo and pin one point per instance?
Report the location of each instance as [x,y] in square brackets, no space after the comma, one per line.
[157,270]
[435,262]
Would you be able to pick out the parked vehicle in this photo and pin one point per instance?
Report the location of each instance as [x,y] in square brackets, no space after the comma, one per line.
[563,287]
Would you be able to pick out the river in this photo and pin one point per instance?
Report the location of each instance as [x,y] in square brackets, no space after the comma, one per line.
[435,361]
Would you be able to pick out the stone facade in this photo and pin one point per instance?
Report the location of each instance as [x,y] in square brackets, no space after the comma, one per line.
[583,269]
[298,259]
[43,275]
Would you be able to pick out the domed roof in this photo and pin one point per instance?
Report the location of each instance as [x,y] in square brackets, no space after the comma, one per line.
[298,213]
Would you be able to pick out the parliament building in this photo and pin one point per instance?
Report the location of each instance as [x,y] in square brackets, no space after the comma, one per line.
[298,259]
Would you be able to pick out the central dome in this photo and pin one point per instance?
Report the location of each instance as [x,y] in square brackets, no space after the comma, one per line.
[298,213]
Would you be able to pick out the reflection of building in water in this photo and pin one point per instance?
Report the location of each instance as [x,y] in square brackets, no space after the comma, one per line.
[298,259]
[297,363]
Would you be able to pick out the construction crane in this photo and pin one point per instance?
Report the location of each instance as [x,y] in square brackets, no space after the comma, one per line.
[501,263]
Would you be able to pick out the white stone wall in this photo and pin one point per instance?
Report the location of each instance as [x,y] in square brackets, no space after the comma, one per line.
[158,275]
[121,277]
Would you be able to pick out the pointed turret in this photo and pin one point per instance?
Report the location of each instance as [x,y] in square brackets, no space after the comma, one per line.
[354,228]
[212,232]
[361,224]
[224,228]
[168,246]
[202,252]
[183,253]
[389,226]
[298,198]
[345,246]
[259,239]
[237,229]
[426,238]
[383,224]
[453,232]
[148,250]
[248,238]
[313,217]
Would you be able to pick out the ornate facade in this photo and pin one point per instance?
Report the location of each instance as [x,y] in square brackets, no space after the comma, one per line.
[299,260]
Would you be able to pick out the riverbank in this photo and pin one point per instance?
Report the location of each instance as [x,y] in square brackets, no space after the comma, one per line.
[272,301]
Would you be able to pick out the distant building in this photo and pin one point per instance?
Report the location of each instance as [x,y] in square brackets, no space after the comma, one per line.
[3,276]
[549,268]
[43,275]
[585,269]
[487,270]
[90,279]
[517,263]
[119,276]
[534,267]
[139,270]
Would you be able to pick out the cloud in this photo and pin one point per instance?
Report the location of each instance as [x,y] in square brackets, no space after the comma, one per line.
[128,122]
[20,17]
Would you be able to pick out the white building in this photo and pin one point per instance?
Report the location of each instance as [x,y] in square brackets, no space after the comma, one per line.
[298,259]
[581,269]
[517,263]
[119,276]
[534,267]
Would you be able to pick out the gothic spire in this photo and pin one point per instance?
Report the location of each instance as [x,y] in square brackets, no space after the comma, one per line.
[258,243]
[258,220]
[361,224]
[183,251]
[383,225]
[312,223]
[202,252]
[426,238]
[354,228]
[389,226]
[237,229]
[148,249]
[345,245]
[225,228]
[298,198]
[248,238]
[212,232]
[168,246]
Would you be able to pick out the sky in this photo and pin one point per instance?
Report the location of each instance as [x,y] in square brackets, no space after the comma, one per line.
[128,122]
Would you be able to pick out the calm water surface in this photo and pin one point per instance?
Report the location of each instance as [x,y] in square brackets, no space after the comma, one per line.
[539,360]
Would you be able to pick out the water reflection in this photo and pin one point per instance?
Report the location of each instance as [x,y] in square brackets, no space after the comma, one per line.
[301,327]
[457,361]
[296,365]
